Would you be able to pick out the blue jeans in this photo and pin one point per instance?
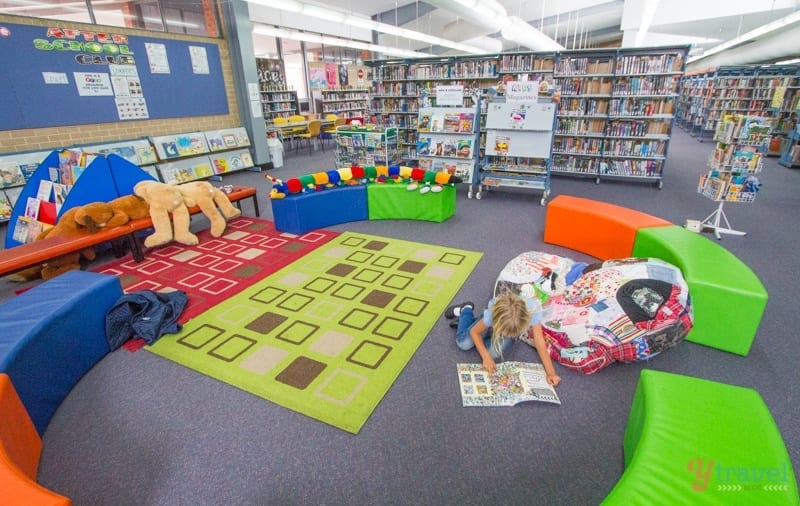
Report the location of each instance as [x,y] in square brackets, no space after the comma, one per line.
[464,341]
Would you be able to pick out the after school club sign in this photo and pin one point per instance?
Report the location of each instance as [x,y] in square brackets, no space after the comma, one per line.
[89,48]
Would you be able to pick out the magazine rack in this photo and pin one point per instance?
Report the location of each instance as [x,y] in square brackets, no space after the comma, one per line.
[741,142]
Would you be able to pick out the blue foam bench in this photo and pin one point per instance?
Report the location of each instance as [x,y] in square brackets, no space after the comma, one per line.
[299,213]
[52,334]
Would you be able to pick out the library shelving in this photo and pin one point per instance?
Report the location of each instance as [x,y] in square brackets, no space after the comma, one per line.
[616,112]
[366,145]
[345,102]
[199,155]
[447,139]
[279,102]
[697,90]
[790,156]
[402,87]
[15,171]
[737,157]
[519,139]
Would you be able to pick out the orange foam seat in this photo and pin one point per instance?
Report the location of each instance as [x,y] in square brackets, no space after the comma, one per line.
[20,449]
[596,228]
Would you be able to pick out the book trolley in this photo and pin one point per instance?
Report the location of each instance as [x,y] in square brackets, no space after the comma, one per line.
[447,138]
[738,156]
[519,140]
[366,145]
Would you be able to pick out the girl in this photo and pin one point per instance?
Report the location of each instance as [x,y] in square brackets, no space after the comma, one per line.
[507,317]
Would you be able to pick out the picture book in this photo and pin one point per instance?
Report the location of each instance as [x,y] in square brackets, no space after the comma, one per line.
[450,147]
[20,233]
[466,122]
[229,140]
[5,208]
[242,139]
[501,143]
[423,146]
[437,123]
[170,149]
[517,118]
[424,122]
[11,175]
[512,383]
[425,163]
[32,208]
[45,189]
[464,148]
[451,122]
[247,159]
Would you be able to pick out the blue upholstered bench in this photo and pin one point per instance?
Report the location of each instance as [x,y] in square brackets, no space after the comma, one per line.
[299,213]
[51,335]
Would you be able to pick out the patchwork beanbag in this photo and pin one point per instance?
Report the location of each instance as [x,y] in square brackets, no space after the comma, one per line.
[618,311]
[535,274]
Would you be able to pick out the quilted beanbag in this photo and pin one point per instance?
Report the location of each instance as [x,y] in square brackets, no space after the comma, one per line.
[535,274]
[618,311]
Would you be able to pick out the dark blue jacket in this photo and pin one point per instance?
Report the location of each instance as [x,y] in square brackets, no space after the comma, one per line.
[146,314]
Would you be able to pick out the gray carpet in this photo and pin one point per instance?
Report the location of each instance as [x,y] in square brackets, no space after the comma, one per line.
[140,430]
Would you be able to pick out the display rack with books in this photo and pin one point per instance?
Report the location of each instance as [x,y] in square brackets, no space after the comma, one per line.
[519,141]
[790,156]
[139,152]
[366,145]
[447,140]
[345,102]
[696,91]
[15,170]
[737,157]
[403,87]
[198,155]
[278,102]
[66,179]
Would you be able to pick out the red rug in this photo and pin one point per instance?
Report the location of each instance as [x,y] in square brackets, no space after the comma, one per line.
[218,267]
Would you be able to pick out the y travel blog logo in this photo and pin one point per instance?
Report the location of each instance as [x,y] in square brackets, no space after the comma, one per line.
[715,475]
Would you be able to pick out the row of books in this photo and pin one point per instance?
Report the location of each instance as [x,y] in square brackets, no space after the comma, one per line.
[647,85]
[446,122]
[583,106]
[642,64]
[444,147]
[639,107]
[584,86]
[460,169]
[566,126]
[574,164]
[525,63]
[639,168]
[583,66]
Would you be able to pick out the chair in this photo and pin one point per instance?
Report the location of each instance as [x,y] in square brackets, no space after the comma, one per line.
[312,132]
[330,132]
[284,133]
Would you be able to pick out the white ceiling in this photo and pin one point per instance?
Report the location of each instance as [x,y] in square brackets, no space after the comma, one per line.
[572,23]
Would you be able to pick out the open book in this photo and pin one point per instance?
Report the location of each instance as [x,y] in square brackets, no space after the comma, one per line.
[514,382]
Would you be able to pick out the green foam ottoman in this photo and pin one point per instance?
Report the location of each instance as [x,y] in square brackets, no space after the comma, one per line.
[694,441]
[728,299]
[393,201]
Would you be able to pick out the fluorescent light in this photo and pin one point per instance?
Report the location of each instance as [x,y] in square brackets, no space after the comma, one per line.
[752,34]
[788,62]
[521,32]
[369,24]
[328,40]
[648,13]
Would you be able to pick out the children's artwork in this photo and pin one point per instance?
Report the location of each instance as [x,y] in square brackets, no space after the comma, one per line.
[11,175]
[514,382]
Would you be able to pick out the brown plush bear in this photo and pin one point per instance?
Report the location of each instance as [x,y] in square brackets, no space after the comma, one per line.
[209,198]
[76,222]
[165,199]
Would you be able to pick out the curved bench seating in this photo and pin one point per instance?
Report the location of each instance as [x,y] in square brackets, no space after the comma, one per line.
[298,213]
[20,449]
[728,299]
[694,441]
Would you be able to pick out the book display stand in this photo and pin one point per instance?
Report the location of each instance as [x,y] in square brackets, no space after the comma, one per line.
[198,155]
[519,143]
[366,145]
[741,142]
[15,170]
[447,138]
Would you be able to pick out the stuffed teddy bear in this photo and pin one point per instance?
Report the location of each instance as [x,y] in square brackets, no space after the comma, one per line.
[212,201]
[76,222]
[165,199]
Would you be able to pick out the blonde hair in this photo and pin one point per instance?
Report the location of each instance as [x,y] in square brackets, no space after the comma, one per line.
[510,319]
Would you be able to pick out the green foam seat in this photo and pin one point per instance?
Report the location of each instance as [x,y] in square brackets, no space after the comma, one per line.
[392,201]
[694,441]
[728,299]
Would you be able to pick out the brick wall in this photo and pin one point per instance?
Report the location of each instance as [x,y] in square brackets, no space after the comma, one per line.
[12,141]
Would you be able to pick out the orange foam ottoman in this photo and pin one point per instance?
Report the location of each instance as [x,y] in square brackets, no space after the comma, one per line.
[596,228]
[20,449]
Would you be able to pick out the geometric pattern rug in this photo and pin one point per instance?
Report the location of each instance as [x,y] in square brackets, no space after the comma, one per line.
[249,250]
[328,334]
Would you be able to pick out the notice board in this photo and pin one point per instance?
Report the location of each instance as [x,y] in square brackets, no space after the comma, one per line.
[52,76]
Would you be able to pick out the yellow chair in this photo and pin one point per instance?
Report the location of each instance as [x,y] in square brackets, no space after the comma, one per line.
[297,118]
[312,132]
[284,133]
[330,132]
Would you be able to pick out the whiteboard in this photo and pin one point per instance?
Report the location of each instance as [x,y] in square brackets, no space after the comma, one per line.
[534,144]
[521,116]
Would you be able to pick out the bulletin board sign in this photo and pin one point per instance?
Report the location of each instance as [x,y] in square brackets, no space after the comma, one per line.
[53,76]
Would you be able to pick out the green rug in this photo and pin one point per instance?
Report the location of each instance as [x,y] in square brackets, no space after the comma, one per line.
[328,334]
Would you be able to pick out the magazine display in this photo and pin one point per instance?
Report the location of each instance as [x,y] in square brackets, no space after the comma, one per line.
[514,382]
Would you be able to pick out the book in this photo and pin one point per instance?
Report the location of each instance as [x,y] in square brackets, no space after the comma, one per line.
[5,207]
[451,122]
[11,175]
[512,383]
[465,122]
[437,123]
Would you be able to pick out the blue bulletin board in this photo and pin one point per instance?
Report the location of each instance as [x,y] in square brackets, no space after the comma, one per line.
[51,76]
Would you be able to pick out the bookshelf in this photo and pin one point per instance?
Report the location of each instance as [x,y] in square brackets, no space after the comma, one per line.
[402,87]
[15,171]
[199,155]
[279,102]
[790,156]
[737,157]
[345,102]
